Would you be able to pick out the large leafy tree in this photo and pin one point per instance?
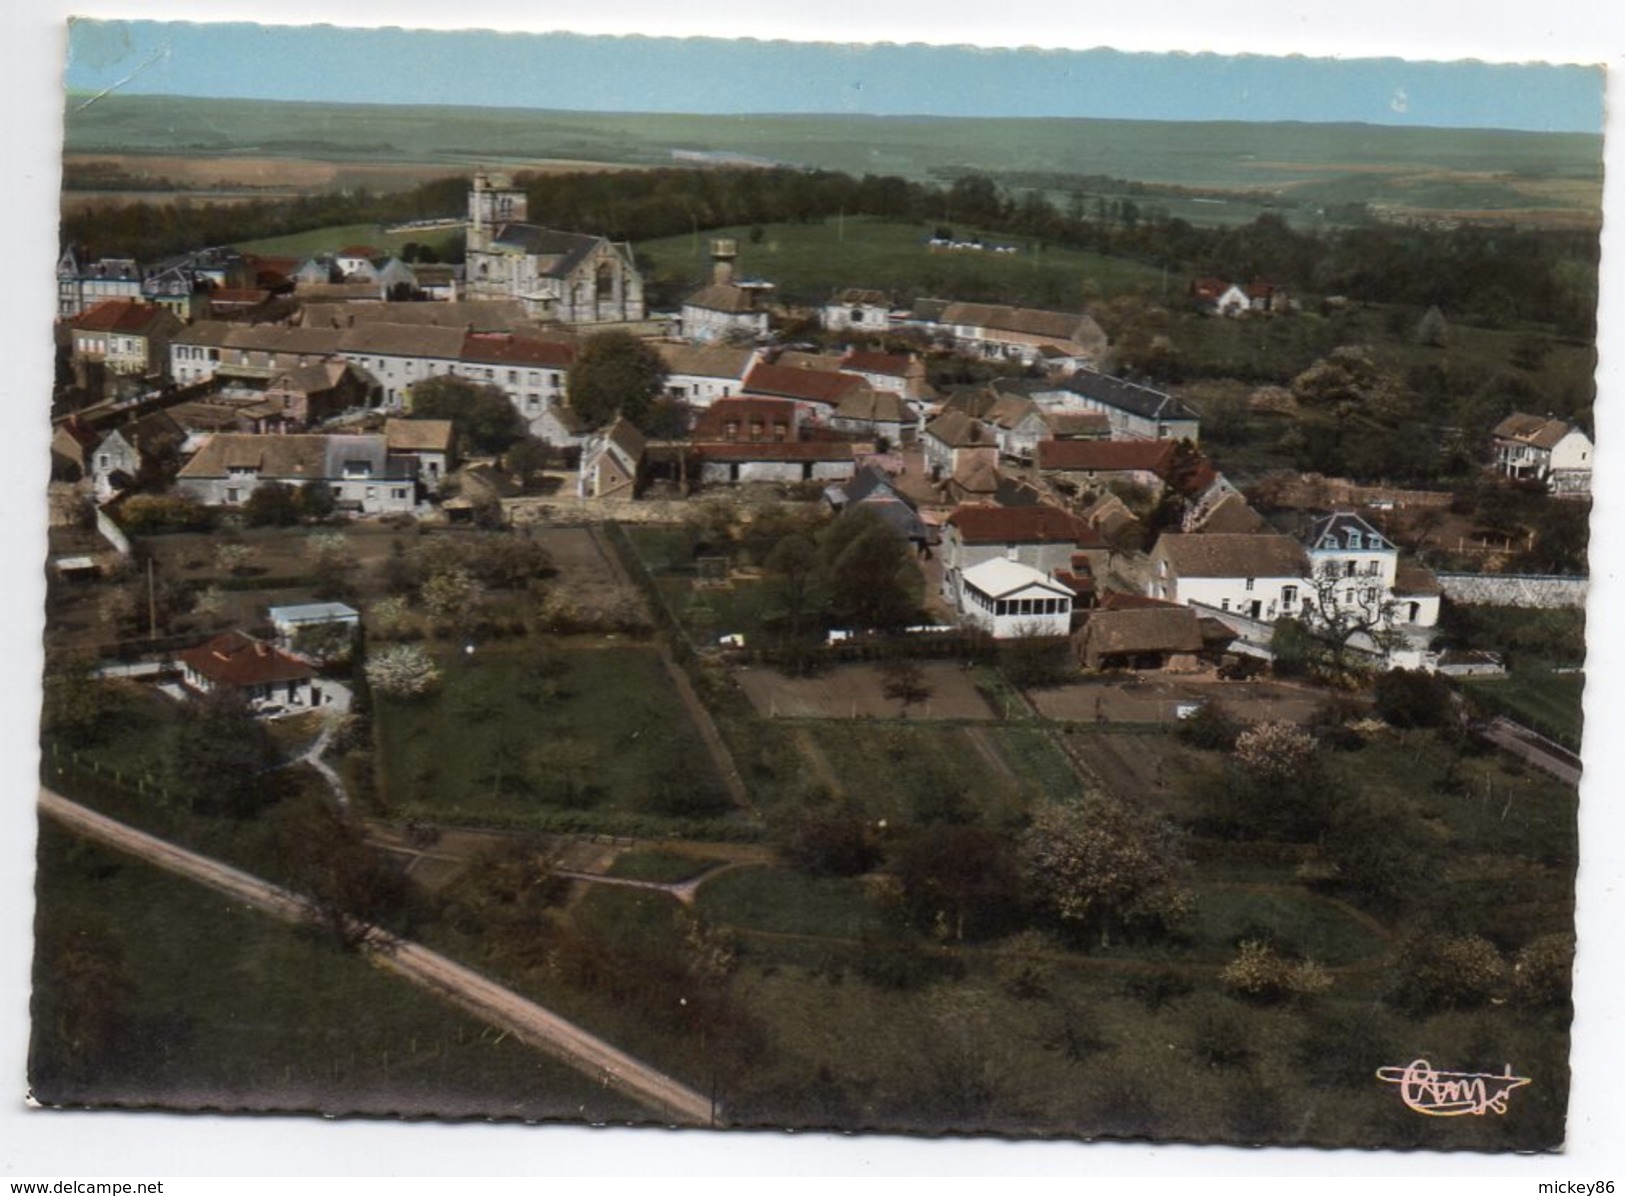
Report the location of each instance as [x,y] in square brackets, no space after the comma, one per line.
[486,422]
[617,374]
[220,758]
[867,578]
[1105,868]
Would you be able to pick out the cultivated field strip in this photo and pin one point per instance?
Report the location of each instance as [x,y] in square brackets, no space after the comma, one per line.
[498,1006]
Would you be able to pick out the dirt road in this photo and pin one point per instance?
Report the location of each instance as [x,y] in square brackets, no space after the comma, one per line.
[487,1000]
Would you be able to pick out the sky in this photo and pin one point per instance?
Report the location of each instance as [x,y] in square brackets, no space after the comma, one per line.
[710,75]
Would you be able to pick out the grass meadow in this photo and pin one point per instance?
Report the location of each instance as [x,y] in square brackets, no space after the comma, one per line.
[1313,164]
[184,998]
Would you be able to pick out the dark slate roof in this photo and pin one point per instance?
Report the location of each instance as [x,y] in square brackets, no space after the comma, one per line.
[1330,533]
[571,249]
[1127,396]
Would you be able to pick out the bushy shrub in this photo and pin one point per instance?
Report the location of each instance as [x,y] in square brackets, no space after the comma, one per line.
[1455,972]
[1542,970]
[1261,973]
[402,671]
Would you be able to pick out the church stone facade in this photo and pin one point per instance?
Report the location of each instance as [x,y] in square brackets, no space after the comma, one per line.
[571,278]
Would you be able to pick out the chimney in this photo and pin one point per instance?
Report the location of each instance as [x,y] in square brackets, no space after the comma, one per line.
[723,252]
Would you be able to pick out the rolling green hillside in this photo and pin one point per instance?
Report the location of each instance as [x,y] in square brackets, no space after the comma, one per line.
[1436,169]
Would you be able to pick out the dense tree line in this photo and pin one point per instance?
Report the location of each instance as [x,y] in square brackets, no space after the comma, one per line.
[1495,274]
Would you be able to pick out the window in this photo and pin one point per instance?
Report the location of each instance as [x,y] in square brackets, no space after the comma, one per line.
[1289,596]
[1372,568]
[1224,604]
[1250,582]
[398,492]
[513,376]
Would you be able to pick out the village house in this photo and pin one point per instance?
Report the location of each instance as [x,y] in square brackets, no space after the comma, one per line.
[1530,448]
[80,286]
[533,373]
[124,337]
[73,445]
[726,310]
[954,439]
[1135,411]
[1154,637]
[880,416]
[748,421]
[699,375]
[465,315]
[612,462]
[1357,566]
[397,356]
[1040,537]
[299,398]
[1018,424]
[901,374]
[144,452]
[246,356]
[430,443]
[859,309]
[179,289]
[1010,600]
[571,278]
[360,472]
[1020,334]
[1262,576]
[818,392]
[871,489]
[788,463]
[261,673]
[1094,465]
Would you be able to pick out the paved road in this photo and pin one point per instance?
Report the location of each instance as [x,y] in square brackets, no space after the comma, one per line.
[498,1006]
[1536,749]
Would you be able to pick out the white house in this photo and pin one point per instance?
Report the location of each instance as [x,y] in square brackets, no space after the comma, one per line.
[856,308]
[1260,575]
[1040,537]
[1011,600]
[1530,448]
[360,471]
[1358,568]
[1135,411]
[699,375]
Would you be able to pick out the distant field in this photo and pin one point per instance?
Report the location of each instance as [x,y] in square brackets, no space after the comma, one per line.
[808,262]
[1545,174]
[329,240]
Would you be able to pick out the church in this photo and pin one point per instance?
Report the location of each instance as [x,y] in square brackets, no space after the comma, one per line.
[571,278]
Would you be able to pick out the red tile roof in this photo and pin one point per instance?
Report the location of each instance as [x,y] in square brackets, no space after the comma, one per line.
[119,315]
[500,349]
[1022,525]
[791,382]
[712,425]
[234,659]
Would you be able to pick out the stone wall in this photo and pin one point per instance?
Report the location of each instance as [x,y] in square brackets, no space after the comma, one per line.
[1514,589]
